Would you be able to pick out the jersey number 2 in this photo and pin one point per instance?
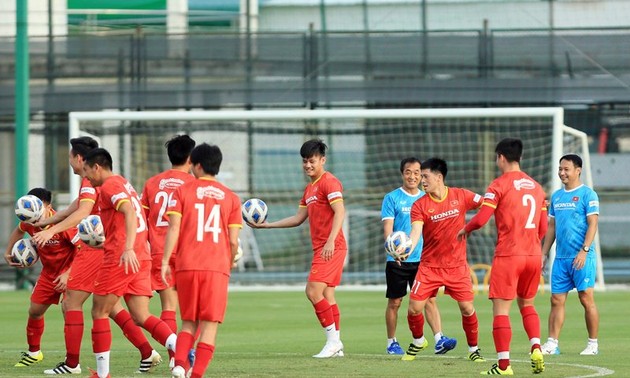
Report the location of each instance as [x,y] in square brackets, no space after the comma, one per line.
[208,223]
[530,201]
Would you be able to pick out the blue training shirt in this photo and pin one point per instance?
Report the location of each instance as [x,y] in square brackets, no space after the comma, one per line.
[570,209]
[397,206]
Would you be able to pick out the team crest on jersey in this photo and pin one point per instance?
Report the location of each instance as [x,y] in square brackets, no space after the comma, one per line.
[575,199]
[431,210]
[454,202]
[88,190]
[119,196]
[210,192]
[524,183]
[170,183]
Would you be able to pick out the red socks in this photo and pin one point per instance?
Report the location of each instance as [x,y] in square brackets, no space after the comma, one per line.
[34,332]
[531,323]
[73,334]
[502,334]
[324,313]
[336,316]
[185,342]
[170,318]
[101,336]
[133,333]
[416,325]
[158,329]
[204,353]
[471,329]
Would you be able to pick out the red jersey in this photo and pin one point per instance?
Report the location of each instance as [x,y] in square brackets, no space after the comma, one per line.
[442,220]
[208,209]
[115,191]
[318,198]
[89,193]
[519,202]
[157,193]
[58,252]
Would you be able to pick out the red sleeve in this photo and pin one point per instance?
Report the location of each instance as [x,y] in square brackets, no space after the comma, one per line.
[480,219]
[543,225]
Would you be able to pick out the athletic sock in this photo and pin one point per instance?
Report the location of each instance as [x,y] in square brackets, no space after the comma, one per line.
[34,332]
[73,334]
[133,333]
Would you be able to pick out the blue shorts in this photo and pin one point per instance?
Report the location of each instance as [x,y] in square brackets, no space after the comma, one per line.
[564,277]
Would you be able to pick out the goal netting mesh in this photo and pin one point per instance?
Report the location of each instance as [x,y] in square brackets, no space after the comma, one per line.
[261,159]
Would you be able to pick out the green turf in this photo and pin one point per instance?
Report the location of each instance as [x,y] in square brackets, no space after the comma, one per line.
[274,334]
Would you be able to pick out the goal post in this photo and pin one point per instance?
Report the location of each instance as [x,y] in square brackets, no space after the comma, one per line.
[261,159]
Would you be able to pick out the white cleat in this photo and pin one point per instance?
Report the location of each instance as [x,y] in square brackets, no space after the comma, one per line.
[62,368]
[549,348]
[590,350]
[331,349]
[178,372]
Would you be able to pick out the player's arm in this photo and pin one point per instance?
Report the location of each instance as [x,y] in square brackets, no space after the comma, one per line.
[59,215]
[172,235]
[416,233]
[16,235]
[288,222]
[128,257]
[550,238]
[388,227]
[339,213]
[479,220]
[580,259]
[84,208]
[233,233]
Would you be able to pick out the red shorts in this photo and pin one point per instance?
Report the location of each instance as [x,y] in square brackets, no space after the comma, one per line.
[112,279]
[456,282]
[44,291]
[156,273]
[515,276]
[85,267]
[202,295]
[329,271]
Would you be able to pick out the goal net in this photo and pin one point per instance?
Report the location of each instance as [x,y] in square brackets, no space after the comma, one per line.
[261,159]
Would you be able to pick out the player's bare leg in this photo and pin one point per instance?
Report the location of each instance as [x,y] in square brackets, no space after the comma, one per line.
[555,323]
[591,316]
[391,322]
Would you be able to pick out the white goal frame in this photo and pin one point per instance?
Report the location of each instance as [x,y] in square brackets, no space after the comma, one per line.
[556,113]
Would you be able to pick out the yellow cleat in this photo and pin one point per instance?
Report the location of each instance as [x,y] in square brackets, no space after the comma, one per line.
[538,363]
[476,356]
[413,349]
[496,371]
[28,360]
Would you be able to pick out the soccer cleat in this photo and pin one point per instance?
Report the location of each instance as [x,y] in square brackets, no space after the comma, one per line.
[496,371]
[394,348]
[150,362]
[94,374]
[191,357]
[550,348]
[331,349]
[62,368]
[339,354]
[476,356]
[445,344]
[178,372]
[413,349]
[590,350]
[538,362]
[28,360]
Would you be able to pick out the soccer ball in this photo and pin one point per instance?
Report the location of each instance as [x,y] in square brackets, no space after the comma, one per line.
[29,208]
[24,252]
[91,231]
[239,252]
[254,211]
[394,241]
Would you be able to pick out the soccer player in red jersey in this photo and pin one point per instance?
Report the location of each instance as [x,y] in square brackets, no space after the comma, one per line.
[322,204]
[205,221]
[85,267]
[56,257]
[157,193]
[438,216]
[520,212]
[126,268]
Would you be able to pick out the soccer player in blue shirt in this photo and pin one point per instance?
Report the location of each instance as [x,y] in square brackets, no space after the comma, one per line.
[573,215]
[395,216]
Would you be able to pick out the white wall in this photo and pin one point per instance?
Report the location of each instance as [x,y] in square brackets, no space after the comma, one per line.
[37,17]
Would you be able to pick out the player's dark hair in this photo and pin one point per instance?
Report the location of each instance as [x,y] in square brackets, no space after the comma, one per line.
[82,145]
[313,147]
[99,156]
[408,160]
[42,193]
[179,148]
[209,156]
[511,149]
[436,165]
[573,158]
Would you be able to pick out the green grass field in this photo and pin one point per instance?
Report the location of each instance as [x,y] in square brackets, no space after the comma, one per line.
[274,334]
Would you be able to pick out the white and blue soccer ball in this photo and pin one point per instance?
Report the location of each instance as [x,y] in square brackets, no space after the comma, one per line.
[29,208]
[393,243]
[91,231]
[254,211]
[24,252]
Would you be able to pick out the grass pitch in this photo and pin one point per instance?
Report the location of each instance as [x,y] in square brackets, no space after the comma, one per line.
[274,334]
